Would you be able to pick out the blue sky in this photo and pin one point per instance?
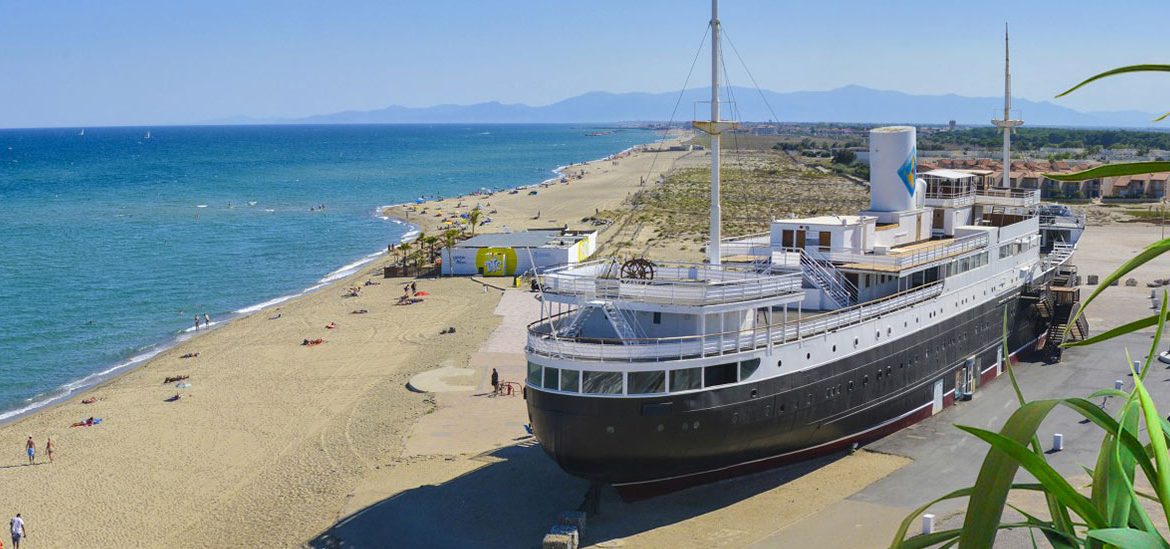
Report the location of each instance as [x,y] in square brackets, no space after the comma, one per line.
[126,62]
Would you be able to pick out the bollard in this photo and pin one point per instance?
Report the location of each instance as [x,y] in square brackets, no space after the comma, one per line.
[927,524]
[1057,442]
[1118,384]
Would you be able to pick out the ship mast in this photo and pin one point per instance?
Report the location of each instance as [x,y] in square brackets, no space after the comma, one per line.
[1007,124]
[714,127]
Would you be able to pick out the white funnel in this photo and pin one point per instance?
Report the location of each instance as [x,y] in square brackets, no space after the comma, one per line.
[893,169]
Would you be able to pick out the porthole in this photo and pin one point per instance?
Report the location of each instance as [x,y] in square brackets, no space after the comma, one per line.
[695,425]
[661,427]
[856,341]
[609,429]
[905,324]
[779,363]
[889,330]
[834,348]
[877,334]
[849,387]
[755,393]
[781,406]
[889,369]
[808,356]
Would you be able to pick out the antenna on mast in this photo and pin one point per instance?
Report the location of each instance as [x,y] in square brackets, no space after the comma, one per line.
[714,127]
[1007,123]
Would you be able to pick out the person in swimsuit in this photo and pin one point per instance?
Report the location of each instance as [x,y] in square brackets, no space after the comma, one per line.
[196,322]
[30,448]
[49,448]
[206,320]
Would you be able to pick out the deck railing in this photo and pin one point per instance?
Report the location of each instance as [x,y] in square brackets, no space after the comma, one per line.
[1008,197]
[901,260]
[675,284]
[542,341]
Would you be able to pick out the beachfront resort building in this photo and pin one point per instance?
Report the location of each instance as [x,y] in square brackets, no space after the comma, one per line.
[511,254]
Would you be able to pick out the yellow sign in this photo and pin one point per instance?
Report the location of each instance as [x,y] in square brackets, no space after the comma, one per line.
[496,261]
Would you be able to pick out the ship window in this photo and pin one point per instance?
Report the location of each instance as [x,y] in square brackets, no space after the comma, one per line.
[720,374]
[552,378]
[686,379]
[534,374]
[571,380]
[748,367]
[658,318]
[849,387]
[602,383]
[642,383]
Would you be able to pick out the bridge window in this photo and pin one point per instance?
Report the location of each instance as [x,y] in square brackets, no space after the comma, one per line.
[552,378]
[686,379]
[720,374]
[748,367]
[534,374]
[602,383]
[643,383]
[571,380]
[657,318]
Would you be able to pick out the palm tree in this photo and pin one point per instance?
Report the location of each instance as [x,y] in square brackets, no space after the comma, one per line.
[404,249]
[430,241]
[449,238]
[473,219]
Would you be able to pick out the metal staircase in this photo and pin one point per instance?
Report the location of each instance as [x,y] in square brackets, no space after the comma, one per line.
[821,273]
[619,322]
[575,324]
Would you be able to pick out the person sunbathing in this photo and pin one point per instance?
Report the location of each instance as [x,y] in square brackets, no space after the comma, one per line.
[358,312]
[89,400]
[189,355]
[173,399]
[330,326]
[174,379]
[312,342]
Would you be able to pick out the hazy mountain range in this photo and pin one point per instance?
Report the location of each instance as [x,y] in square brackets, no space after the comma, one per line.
[848,104]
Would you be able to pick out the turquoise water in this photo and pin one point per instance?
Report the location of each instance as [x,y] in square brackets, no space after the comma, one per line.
[111,243]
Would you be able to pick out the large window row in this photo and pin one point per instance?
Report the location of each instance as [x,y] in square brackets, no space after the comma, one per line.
[640,383]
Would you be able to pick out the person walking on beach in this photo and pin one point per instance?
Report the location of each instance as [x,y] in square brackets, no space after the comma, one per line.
[196,322]
[206,320]
[49,448]
[495,382]
[30,448]
[16,526]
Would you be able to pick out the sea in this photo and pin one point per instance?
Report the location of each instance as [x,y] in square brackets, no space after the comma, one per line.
[112,240]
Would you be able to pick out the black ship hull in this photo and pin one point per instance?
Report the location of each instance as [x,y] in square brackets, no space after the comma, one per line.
[652,445]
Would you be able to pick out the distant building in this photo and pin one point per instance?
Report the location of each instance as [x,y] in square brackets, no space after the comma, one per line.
[951,125]
[510,254]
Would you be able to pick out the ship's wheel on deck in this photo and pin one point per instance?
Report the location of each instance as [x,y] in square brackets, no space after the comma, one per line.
[638,268]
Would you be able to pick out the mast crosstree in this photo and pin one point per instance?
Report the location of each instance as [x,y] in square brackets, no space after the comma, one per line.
[1007,123]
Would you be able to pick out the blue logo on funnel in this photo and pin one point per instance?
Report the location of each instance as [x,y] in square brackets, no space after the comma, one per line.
[908,173]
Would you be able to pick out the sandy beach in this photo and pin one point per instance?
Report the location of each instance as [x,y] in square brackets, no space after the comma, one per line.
[272,440]
[386,431]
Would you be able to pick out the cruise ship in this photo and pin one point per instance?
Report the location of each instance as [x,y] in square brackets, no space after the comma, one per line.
[825,333]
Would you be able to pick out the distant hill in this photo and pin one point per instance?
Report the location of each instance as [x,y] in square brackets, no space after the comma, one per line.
[855,104]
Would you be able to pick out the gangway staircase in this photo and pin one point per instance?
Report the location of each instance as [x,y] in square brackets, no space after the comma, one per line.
[1064,303]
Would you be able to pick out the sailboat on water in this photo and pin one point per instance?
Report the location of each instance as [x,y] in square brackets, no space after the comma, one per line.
[82,132]
[147,136]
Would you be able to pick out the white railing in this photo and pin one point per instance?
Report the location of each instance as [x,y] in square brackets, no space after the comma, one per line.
[1008,197]
[541,340]
[949,198]
[676,284]
[902,260]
